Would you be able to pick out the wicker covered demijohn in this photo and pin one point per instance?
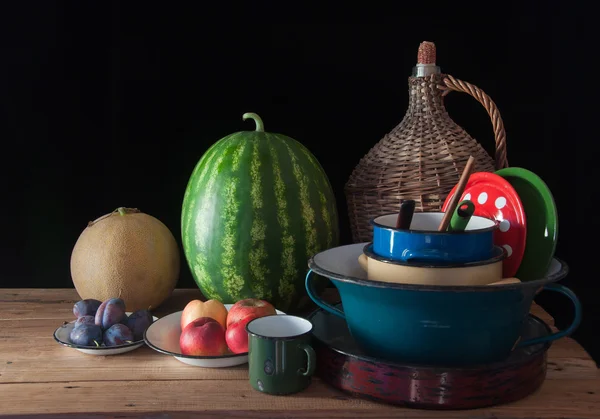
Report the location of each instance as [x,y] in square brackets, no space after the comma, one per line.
[423,157]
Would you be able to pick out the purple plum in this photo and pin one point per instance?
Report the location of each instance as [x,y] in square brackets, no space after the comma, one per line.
[85,320]
[138,322]
[110,312]
[117,334]
[86,335]
[87,307]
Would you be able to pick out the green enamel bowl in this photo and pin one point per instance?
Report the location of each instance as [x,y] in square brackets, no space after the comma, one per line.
[542,221]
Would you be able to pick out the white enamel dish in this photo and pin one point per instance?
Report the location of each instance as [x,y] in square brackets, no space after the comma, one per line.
[163,336]
[61,335]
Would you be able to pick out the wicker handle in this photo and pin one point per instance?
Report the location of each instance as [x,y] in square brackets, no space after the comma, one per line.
[490,107]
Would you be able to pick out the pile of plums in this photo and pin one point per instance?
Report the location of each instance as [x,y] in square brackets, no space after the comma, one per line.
[107,324]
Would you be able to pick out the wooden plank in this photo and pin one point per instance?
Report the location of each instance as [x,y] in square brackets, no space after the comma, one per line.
[555,399]
[23,363]
[275,414]
[29,356]
[37,294]
[16,337]
[58,303]
[18,304]
[568,348]
[60,363]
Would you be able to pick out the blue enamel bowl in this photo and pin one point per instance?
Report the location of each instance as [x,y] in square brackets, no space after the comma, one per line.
[422,242]
[433,324]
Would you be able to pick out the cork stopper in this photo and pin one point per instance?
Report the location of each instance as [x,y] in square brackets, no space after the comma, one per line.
[426,60]
[426,53]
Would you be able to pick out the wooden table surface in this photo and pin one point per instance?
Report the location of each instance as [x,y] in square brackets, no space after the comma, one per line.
[40,378]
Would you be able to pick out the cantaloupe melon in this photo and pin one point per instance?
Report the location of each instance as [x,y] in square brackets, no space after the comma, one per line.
[126,254]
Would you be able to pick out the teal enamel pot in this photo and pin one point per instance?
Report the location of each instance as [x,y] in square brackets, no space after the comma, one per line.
[433,324]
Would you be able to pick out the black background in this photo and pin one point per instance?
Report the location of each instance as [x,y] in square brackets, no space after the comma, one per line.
[112,104]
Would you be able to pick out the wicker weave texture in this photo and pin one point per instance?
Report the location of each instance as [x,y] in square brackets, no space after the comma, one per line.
[422,158]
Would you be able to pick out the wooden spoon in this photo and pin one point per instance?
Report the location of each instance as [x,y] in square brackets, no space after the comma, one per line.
[460,188]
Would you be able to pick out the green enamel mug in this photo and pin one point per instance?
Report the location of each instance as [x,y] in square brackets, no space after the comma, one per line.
[280,358]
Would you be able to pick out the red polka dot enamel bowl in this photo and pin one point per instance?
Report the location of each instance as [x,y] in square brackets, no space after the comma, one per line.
[496,199]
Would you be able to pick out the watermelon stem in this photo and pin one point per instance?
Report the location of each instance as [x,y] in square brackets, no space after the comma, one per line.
[260,127]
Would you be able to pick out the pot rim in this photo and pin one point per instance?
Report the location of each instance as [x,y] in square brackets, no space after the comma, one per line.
[499,254]
[407,231]
[538,283]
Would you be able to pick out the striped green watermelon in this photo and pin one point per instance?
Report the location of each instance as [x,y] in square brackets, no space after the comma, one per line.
[257,206]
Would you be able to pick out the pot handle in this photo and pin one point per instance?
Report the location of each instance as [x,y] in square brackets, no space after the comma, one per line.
[363,262]
[562,333]
[430,255]
[452,84]
[312,293]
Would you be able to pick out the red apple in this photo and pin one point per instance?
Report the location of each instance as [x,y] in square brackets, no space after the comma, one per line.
[248,309]
[204,337]
[236,336]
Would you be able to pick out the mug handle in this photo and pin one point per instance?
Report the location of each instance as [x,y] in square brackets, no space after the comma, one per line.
[562,333]
[311,358]
[312,293]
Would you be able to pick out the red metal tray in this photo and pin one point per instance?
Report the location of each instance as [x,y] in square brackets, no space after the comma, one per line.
[341,364]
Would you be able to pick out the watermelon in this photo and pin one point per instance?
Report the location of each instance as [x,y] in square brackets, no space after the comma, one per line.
[257,206]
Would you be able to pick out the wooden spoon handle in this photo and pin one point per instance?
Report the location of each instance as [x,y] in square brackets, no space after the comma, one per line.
[462,183]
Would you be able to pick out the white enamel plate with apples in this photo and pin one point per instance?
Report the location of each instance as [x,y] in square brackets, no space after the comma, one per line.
[213,334]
